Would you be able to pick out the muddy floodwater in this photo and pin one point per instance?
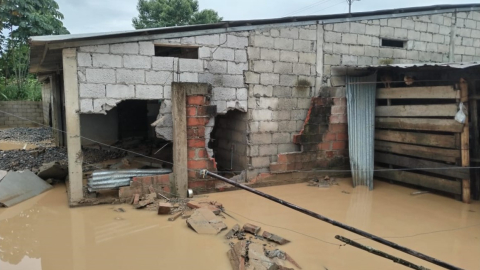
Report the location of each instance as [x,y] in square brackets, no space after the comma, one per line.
[5,146]
[43,233]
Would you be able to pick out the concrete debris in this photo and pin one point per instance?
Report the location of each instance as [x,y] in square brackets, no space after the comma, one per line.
[144,203]
[16,187]
[253,229]
[275,238]
[175,217]
[253,255]
[233,231]
[120,210]
[323,183]
[164,208]
[53,170]
[212,206]
[204,221]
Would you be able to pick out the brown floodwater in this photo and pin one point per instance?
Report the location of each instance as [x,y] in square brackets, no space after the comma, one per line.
[43,233]
[5,146]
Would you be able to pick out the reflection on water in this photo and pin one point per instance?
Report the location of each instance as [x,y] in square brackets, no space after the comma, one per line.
[44,234]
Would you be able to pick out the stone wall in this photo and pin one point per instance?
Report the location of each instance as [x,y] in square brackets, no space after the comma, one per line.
[30,110]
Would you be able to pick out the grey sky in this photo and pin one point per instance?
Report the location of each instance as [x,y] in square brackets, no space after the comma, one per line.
[88,16]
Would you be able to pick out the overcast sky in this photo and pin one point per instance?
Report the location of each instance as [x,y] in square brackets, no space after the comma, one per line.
[88,16]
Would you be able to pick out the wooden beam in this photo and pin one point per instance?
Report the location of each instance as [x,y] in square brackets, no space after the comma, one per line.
[445,141]
[465,141]
[179,114]
[420,180]
[446,125]
[417,110]
[447,155]
[430,166]
[429,92]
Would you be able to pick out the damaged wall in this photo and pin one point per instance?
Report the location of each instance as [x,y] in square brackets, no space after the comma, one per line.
[99,128]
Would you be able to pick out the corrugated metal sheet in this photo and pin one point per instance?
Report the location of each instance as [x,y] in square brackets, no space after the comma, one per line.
[361,128]
[17,187]
[458,65]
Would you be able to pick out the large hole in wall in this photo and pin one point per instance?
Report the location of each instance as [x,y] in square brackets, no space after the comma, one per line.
[127,127]
[229,142]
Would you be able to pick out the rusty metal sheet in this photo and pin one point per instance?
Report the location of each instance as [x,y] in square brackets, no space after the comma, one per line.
[17,187]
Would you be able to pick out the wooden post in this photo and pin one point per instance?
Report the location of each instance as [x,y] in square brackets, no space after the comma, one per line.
[465,137]
[179,114]
[74,150]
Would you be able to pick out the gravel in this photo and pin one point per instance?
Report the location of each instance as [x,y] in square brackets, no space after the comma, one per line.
[38,136]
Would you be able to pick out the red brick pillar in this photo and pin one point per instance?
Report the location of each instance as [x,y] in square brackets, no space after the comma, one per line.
[199,112]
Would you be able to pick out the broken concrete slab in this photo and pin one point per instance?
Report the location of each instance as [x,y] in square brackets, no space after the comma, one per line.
[233,231]
[144,203]
[237,255]
[257,258]
[212,206]
[275,238]
[53,170]
[204,221]
[17,187]
[164,208]
[253,229]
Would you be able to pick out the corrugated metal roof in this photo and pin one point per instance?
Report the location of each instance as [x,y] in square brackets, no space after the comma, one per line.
[460,65]
[228,24]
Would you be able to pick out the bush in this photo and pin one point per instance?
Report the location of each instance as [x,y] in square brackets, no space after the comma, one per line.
[28,89]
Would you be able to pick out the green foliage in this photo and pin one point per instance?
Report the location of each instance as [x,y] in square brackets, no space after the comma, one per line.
[165,13]
[30,89]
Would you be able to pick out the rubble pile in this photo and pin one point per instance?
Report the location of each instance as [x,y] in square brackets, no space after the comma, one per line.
[323,183]
[39,136]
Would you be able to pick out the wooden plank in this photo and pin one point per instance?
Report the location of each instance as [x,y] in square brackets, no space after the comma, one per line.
[179,114]
[446,125]
[429,92]
[417,110]
[445,141]
[430,166]
[420,180]
[465,142]
[447,155]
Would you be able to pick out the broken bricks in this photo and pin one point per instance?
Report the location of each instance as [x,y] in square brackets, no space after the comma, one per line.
[164,208]
[275,238]
[212,206]
[233,231]
[253,229]
[246,254]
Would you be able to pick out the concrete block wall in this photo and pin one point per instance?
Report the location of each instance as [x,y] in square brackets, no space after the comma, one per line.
[427,39]
[281,81]
[30,110]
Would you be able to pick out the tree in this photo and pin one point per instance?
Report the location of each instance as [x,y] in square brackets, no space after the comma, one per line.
[165,13]
[19,20]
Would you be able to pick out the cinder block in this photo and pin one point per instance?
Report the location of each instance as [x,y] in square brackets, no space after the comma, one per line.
[283,68]
[357,50]
[204,52]
[281,138]
[309,58]
[269,79]
[301,69]
[331,59]
[261,138]
[287,103]
[399,54]
[373,30]
[208,40]
[427,37]
[308,34]
[224,93]
[282,91]
[304,45]
[262,41]
[163,63]
[421,26]
[92,90]
[288,56]
[240,56]
[190,65]
[224,54]
[82,77]
[84,59]
[387,31]
[413,35]
[147,48]
[283,44]
[137,61]
[267,103]
[350,38]
[386,53]
[408,24]
[237,68]
[289,33]
[281,115]
[261,115]
[130,76]
[95,75]
[341,27]
[221,106]
[124,48]
[233,81]
[262,66]
[149,91]
[100,104]
[267,54]
[159,77]
[333,37]
[95,49]
[433,28]
[217,67]
[397,22]
[237,42]
[365,60]
[262,90]
[364,40]
[251,77]
[106,60]
[120,91]
[299,114]
[188,77]
[253,53]
[438,19]
[357,28]
[260,162]
[86,105]
[286,126]
[340,49]
[303,103]
[288,80]
[267,150]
